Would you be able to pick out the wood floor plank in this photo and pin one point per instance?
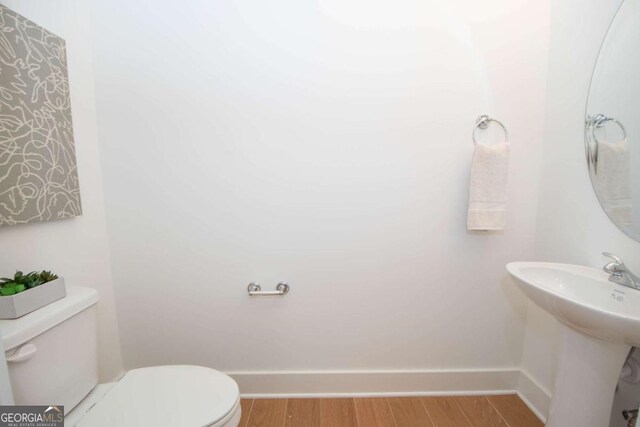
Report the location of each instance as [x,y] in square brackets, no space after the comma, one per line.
[473,411]
[445,412]
[409,412]
[303,413]
[267,413]
[514,411]
[338,413]
[374,412]
[245,407]
[480,412]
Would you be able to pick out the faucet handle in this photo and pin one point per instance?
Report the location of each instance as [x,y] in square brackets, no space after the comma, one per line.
[615,268]
[619,273]
[616,258]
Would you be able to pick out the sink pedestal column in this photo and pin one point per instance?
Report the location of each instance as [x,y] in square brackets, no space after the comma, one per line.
[587,374]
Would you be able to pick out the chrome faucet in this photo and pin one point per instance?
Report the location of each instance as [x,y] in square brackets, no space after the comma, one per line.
[618,272]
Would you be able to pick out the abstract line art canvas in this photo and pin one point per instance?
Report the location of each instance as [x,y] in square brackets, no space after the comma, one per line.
[38,173]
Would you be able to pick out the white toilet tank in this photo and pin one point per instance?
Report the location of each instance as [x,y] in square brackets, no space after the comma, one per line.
[52,353]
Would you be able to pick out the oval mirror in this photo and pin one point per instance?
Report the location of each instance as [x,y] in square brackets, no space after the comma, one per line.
[612,123]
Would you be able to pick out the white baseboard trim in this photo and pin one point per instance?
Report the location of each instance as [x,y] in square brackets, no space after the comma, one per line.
[258,384]
[292,384]
[535,396]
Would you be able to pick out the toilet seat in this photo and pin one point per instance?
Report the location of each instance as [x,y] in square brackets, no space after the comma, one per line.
[171,396]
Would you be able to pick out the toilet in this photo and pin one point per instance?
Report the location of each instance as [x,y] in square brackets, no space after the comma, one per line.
[52,359]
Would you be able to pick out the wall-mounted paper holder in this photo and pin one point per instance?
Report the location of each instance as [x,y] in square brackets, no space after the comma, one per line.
[255,289]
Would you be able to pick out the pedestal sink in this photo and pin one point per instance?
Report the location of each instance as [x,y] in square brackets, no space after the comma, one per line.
[599,322]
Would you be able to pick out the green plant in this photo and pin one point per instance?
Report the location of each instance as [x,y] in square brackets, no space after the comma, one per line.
[20,282]
[47,276]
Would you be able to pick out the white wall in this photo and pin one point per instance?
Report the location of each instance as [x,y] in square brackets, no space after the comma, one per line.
[75,248]
[572,227]
[322,143]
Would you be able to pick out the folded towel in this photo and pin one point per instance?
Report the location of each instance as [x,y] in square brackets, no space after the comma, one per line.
[612,180]
[488,187]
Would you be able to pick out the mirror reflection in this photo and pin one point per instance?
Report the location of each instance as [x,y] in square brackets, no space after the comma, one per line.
[613,119]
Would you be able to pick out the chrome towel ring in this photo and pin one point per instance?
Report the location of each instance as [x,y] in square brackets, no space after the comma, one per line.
[483,122]
[599,120]
[592,123]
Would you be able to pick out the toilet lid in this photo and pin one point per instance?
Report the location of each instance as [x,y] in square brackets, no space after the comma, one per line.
[170,396]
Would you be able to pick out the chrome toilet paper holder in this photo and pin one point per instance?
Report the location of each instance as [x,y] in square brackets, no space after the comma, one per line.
[255,289]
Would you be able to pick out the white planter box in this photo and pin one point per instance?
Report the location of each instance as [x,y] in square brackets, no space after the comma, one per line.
[14,306]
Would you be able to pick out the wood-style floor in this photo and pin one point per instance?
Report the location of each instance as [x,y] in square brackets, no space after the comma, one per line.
[475,411]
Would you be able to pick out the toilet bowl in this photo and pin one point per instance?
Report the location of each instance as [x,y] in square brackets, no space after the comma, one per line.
[52,360]
[163,396]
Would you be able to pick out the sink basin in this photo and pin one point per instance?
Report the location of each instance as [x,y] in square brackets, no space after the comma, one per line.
[599,322]
[582,298]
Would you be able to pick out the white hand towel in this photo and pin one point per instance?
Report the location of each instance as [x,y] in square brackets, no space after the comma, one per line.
[613,181]
[488,187]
